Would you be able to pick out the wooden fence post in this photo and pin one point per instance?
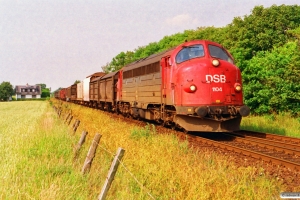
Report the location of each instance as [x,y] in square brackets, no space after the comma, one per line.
[70,119]
[73,126]
[111,173]
[67,117]
[76,124]
[59,112]
[80,143]
[91,154]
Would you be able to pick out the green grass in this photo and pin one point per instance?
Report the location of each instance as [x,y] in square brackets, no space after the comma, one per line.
[37,160]
[282,124]
[36,154]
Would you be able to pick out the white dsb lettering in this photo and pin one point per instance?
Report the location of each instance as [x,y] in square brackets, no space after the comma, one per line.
[215,78]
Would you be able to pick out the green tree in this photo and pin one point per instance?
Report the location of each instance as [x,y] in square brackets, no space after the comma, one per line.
[6,90]
[295,34]
[43,85]
[45,93]
[262,30]
[77,81]
[106,68]
[45,90]
[272,80]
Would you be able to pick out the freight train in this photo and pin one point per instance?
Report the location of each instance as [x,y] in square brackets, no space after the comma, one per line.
[194,87]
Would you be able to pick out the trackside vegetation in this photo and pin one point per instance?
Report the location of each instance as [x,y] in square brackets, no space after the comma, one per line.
[37,160]
[281,124]
[266,48]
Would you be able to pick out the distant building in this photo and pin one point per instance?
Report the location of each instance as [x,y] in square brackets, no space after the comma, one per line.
[28,91]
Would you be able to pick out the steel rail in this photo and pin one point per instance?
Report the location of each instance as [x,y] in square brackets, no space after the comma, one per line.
[246,152]
[293,146]
[275,145]
[270,136]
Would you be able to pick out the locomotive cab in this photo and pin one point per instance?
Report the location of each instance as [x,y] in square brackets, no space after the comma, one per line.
[206,88]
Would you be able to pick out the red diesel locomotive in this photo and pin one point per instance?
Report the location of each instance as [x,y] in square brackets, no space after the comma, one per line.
[194,86]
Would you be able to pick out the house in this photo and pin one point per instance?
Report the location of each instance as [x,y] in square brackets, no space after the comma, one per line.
[28,91]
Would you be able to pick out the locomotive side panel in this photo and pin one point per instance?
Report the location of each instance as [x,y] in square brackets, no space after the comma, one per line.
[143,90]
[149,89]
[141,83]
[129,90]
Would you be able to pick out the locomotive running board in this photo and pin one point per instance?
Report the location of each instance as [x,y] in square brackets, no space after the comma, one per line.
[190,123]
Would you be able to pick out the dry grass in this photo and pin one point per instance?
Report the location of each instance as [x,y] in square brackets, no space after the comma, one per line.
[38,161]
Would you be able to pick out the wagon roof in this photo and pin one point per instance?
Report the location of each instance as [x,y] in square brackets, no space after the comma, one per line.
[109,75]
[96,74]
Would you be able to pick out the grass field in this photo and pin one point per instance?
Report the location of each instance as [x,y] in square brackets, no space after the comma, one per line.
[282,124]
[37,160]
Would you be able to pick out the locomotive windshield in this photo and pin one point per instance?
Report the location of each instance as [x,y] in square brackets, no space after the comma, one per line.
[220,53]
[189,52]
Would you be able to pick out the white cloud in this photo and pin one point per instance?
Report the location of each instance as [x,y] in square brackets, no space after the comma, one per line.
[182,20]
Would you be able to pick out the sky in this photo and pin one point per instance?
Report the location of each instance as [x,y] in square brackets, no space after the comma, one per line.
[57,42]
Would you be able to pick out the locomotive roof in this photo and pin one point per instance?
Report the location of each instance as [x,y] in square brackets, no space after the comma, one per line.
[156,57]
[147,60]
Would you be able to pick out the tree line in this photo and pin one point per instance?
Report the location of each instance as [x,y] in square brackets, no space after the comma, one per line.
[266,48]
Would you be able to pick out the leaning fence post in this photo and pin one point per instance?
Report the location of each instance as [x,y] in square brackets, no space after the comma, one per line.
[59,112]
[91,154]
[70,119]
[67,117]
[76,124]
[111,173]
[80,143]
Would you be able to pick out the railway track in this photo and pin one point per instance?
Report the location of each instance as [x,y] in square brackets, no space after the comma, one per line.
[268,136]
[275,149]
[278,150]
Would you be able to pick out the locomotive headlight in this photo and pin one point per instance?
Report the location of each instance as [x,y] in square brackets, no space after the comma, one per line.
[193,88]
[190,88]
[237,87]
[215,62]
